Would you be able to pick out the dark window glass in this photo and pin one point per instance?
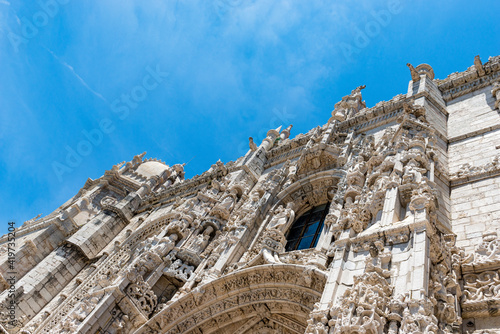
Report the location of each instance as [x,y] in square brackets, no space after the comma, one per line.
[306,229]
[311,229]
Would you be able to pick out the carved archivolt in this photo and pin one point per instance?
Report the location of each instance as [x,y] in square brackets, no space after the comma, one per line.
[285,288]
[315,190]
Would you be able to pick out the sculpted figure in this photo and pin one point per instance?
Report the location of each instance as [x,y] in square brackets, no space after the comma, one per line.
[228,201]
[411,173]
[356,92]
[359,166]
[201,241]
[282,218]
[162,246]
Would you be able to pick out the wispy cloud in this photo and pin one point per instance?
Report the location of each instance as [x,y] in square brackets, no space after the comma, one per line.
[72,70]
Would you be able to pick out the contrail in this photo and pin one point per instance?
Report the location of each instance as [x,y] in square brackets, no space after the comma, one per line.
[77,76]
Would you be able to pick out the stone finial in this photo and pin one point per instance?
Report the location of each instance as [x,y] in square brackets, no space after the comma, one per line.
[422,69]
[356,93]
[426,70]
[252,145]
[286,133]
[414,74]
[138,158]
[274,132]
[479,66]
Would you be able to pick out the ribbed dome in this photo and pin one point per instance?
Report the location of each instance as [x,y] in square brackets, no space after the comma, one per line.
[151,168]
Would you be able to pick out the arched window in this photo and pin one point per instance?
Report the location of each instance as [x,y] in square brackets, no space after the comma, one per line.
[306,229]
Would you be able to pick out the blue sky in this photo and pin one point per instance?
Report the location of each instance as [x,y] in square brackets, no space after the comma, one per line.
[190,81]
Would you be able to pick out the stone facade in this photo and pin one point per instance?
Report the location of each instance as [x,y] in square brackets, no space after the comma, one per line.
[408,241]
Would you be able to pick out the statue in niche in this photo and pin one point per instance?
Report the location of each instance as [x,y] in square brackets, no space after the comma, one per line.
[359,166]
[216,187]
[165,244]
[356,173]
[255,196]
[228,201]
[160,246]
[189,205]
[291,176]
[201,240]
[411,172]
[282,218]
[248,211]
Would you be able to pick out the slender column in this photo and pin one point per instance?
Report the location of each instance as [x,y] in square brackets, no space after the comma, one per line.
[392,207]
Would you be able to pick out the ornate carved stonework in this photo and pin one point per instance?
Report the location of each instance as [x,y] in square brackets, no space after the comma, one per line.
[393,211]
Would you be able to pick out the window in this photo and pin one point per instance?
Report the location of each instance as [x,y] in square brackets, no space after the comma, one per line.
[306,229]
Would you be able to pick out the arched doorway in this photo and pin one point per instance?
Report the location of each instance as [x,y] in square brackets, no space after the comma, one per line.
[268,298]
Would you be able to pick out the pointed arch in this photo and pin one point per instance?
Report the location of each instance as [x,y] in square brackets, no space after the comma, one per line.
[312,189]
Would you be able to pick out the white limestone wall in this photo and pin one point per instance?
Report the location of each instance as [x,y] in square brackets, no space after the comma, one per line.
[476,151]
[472,112]
[31,250]
[435,116]
[474,133]
[475,210]
[46,280]
[353,266]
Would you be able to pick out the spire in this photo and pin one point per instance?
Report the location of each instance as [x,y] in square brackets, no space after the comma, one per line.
[286,133]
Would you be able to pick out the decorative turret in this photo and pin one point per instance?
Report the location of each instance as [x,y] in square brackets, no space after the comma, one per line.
[286,133]
[268,142]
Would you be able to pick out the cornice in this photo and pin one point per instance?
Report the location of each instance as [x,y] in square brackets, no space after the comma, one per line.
[186,188]
[473,134]
[461,83]
[382,113]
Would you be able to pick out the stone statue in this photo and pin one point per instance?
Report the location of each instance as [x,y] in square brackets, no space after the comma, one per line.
[282,218]
[228,201]
[201,241]
[165,244]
